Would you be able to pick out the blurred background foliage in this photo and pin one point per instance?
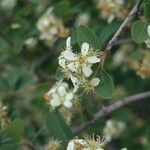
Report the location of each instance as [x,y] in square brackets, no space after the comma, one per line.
[28,65]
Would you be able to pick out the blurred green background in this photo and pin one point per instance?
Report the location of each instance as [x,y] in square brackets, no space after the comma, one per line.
[28,64]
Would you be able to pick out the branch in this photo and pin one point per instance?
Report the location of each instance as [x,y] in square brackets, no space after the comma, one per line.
[132,13]
[109,109]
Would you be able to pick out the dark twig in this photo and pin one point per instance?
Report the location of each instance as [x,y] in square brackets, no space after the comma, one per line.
[132,13]
[109,109]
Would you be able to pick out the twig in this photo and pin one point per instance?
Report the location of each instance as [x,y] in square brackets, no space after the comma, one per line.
[29,145]
[132,13]
[109,109]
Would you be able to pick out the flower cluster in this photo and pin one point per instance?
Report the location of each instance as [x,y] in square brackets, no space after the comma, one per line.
[51,27]
[88,143]
[60,95]
[142,67]
[77,67]
[110,9]
[8,4]
[113,129]
[147,42]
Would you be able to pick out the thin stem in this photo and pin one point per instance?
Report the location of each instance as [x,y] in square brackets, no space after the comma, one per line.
[132,13]
[109,109]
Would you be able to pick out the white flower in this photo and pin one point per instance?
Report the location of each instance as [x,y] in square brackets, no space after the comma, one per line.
[88,143]
[113,129]
[8,4]
[75,62]
[59,95]
[76,144]
[78,66]
[50,27]
[124,149]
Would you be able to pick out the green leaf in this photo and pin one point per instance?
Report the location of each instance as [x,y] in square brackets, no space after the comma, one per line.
[139,31]
[15,128]
[57,127]
[147,9]
[106,86]
[108,31]
[84,34]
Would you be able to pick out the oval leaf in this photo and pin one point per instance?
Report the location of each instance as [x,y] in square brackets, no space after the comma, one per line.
[139,31]
[106,86]
[84,34]
[57,127]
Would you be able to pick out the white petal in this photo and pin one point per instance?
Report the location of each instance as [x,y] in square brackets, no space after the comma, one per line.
[95,81]
[73,66]
[69,97]
[110,18]
[93,59]
[62,62]
[87,71]
[75,81]
[148,30]
[52,90]
[64,84]
[68,43]
[69,55]
[147,43]
[61,91]
[71,146]
[67,104]
[55,102]
[85,49]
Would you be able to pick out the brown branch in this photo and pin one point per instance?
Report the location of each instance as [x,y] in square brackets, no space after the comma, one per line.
[109,109]
[29,145]
[132,13]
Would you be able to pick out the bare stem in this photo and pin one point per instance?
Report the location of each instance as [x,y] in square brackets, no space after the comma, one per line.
[132,13]
[109,109]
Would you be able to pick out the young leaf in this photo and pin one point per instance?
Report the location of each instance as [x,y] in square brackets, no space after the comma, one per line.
[106,87]
[15,128]
[84,34]
[139,31]
[147,9]
[57,127]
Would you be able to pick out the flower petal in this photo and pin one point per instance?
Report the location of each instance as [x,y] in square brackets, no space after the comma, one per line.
[67,104]
[87,71]
[55,102]
[62,61]
[68,43]
[61,91]
[71,145]
[85,49]
[69,55]
[95,81]
[69,97]
[75,82]
[73,66]
[93,59]
[148,30]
